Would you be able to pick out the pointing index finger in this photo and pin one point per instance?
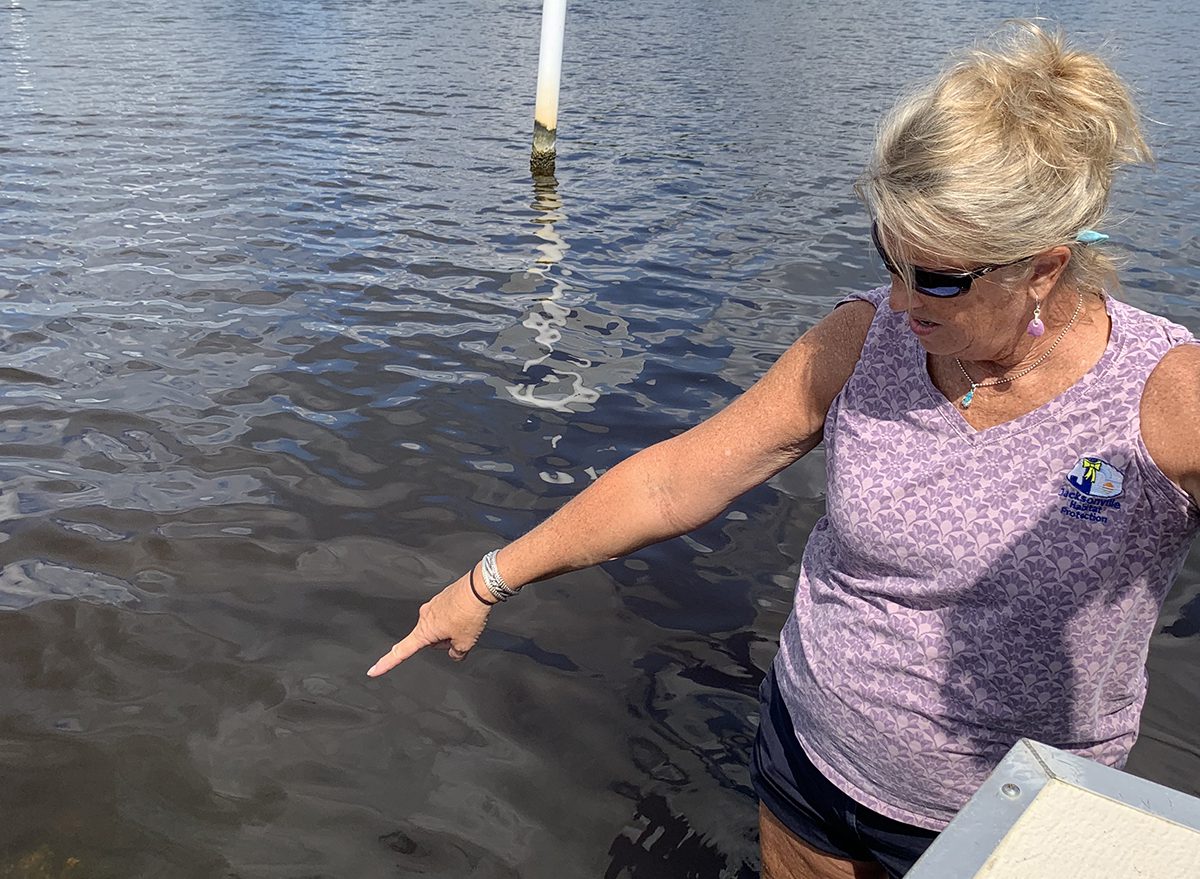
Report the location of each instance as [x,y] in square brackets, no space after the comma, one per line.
[400,651]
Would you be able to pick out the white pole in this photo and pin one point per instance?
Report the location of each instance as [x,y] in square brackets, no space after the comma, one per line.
[545,113]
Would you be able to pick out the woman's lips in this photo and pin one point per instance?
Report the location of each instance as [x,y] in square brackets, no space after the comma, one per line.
[921,327]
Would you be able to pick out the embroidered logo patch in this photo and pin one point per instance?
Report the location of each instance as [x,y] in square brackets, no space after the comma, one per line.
[1096,478]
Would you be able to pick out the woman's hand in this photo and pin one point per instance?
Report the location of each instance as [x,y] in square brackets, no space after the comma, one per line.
[453,618]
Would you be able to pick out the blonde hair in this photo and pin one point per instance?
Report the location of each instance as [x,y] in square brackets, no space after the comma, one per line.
[1008,152]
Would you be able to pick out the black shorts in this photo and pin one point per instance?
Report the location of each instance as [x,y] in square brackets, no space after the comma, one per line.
[805,802]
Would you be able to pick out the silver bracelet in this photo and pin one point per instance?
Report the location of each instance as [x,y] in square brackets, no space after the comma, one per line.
[493,580]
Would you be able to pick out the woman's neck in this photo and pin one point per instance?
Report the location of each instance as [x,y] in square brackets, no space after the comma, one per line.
[1061,316]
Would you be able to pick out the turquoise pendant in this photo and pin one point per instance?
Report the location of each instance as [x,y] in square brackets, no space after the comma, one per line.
[968,397]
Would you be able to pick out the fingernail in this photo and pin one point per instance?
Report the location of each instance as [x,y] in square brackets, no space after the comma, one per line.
[371,670]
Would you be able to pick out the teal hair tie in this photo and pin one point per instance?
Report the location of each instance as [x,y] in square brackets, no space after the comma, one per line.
[1091,236]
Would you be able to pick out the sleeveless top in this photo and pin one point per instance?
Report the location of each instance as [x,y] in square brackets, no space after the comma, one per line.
[966,587]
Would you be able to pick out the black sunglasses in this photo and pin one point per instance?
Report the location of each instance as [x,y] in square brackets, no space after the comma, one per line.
[942,285]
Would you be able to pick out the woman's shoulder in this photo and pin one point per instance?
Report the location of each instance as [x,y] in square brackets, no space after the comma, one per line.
[1168,355]
[1170,416]
[1174,385]
[849,324]
[880,325]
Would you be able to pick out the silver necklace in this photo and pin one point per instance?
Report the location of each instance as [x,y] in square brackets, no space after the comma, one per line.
[965,402]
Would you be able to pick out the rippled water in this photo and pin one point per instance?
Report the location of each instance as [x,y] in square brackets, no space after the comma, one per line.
[288,338]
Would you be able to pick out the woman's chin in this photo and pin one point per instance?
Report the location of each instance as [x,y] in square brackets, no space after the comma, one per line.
[936,344]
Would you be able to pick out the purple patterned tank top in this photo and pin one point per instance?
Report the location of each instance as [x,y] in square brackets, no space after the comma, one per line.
[969,587]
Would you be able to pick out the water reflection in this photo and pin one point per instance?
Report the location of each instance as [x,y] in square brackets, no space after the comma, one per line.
[288,340]
[556,386]
[659,844]
[1188,623]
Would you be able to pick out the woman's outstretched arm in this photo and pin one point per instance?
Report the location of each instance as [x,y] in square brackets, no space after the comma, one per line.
[667,489]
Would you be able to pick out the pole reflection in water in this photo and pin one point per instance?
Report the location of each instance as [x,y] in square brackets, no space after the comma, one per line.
[550,315]
[571,347]
[578,347]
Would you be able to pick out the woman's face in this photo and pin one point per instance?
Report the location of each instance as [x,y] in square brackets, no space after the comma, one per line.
[990,320]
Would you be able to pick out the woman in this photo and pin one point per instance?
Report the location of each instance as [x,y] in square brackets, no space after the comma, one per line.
[1010,479]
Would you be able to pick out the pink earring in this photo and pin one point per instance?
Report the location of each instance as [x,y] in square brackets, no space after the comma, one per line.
[1036,327]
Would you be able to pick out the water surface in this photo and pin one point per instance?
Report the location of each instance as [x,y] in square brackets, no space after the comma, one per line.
[288,338]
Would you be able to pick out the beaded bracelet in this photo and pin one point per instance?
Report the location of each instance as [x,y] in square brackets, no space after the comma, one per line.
[492,579]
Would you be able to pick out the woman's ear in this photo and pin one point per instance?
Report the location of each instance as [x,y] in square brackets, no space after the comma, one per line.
[1047,269]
